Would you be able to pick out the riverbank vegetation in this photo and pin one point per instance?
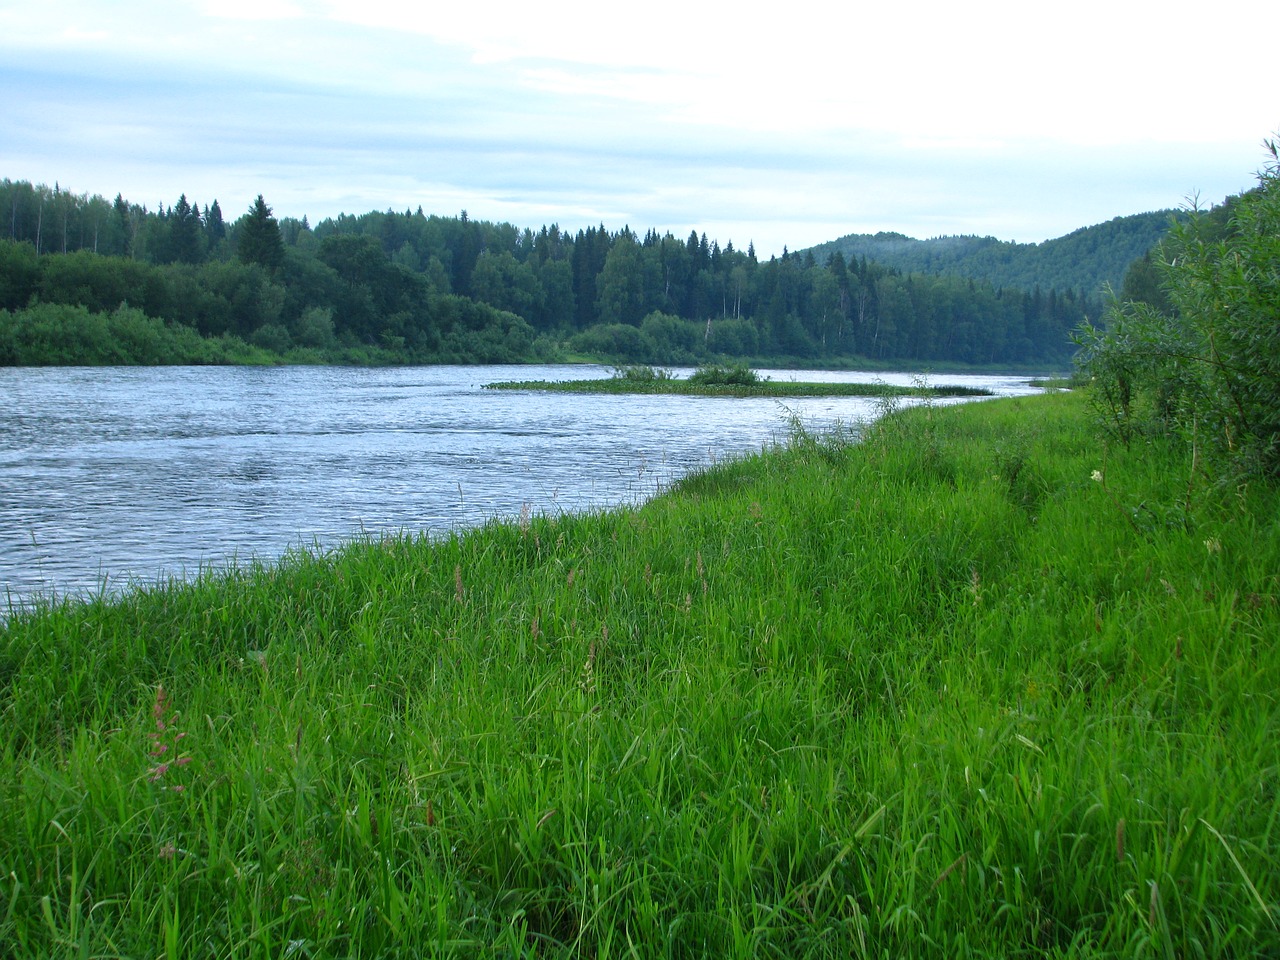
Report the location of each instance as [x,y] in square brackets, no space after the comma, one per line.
[416,288]
[737,380]
[981,684]
[1191,347]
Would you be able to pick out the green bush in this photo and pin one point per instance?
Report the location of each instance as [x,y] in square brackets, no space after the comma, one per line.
[725,375]
[1208,369]
[617,341]
[679,340]
[55,333]
[641,373]
[734,337]
[273,337]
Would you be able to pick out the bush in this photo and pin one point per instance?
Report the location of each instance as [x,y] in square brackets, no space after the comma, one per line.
[273,337]
[61,334]
[734,338]
[675,339]
[1208,369]
[641,373]
[314,328]
[722,375]
[616,341]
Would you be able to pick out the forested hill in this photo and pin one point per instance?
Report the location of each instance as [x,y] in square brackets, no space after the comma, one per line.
[1083,261]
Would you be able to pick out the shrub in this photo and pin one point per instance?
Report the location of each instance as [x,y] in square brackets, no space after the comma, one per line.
[641,373]
[1208,369]
[723,375]
[618,342]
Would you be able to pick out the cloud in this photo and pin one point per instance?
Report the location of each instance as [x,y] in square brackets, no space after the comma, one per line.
[1019,121]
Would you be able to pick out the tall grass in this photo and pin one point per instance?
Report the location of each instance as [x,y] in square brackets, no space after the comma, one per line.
[973,686]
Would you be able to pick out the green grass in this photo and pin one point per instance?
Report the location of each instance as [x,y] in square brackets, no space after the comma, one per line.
[938,693]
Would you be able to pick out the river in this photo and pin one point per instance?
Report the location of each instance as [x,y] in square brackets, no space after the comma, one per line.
[111,477]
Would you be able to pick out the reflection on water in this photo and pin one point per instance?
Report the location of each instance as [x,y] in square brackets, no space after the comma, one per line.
[111,475]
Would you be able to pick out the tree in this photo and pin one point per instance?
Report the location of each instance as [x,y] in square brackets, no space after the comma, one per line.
[502,281]
[620,284]
[214,228]
[258,237]
[556,279]
[124,220]
[184,233]
[19,273]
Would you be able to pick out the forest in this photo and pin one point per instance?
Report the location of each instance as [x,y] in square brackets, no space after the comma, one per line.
[87,280]
[1085,260]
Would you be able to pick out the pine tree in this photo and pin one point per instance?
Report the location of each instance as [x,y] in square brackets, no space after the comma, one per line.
[258,237]
[214,228]
[184,232]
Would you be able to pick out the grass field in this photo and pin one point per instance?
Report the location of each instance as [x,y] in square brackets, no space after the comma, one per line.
[973,686]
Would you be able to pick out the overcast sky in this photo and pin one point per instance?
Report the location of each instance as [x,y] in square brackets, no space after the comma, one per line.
[781,123]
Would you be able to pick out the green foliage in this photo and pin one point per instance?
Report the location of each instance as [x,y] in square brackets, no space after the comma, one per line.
[380,276]
[19,274]
[505,283]
[472,332]
[46,334]
[1085,260]
[242,297]
[258,238]
[1142,283]
[185,240]
[273,338]
[819,702]
[734,338]
[725,375]
[642,374]
[99,283]
[1209,369]
[314,328]
[674,338]
[620,342]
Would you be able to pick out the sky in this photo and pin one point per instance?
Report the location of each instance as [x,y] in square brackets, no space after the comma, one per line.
[780,124]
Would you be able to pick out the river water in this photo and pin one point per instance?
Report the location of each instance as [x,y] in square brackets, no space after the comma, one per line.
[118,476]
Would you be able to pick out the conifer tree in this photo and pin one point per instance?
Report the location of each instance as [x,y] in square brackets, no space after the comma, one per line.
[184,232]
[258,237]
[214,227]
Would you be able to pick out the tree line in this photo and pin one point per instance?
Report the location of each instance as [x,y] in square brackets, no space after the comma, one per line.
[412,287]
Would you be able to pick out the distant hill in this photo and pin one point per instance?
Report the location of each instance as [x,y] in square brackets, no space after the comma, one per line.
[1083,260]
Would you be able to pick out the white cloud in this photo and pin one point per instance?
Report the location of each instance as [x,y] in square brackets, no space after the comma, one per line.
[1019,120]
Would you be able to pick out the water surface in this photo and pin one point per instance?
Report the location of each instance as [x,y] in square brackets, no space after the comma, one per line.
[110,476]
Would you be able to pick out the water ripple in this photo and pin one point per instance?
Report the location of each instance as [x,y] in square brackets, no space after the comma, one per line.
[113,475]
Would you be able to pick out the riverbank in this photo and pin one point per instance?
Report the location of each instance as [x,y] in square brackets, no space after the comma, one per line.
[974,685]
